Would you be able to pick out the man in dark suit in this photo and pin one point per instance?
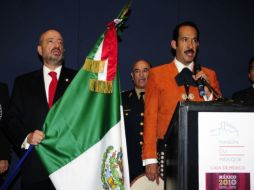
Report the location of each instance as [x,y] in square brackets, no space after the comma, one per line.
[33,95]
[133,106]
[246,96]
[4,144]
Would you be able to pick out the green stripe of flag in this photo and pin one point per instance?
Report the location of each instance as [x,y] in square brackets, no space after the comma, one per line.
[79,111]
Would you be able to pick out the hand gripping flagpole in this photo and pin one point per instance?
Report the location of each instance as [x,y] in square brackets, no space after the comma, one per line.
[16,169]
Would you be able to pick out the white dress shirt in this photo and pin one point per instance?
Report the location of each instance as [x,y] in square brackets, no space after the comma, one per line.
[47,79]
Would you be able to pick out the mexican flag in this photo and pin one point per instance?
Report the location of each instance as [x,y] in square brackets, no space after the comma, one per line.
[84,146]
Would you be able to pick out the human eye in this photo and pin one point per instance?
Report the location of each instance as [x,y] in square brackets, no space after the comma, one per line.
[195,40]
[184,39]
[145,70]
[50,41]
[61,42]
[136,71]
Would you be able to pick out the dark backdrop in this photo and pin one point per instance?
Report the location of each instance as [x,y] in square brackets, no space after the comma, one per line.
[226,41]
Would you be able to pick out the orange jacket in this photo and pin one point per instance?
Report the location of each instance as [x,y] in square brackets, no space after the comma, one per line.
[162,96]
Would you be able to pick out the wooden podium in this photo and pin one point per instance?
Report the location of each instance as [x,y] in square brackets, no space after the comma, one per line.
[207,148]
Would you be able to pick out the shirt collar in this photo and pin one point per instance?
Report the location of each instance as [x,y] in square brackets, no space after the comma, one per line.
[180,66]
[46,70]
[138,91]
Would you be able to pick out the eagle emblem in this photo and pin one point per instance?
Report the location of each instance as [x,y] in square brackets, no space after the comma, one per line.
[112,169]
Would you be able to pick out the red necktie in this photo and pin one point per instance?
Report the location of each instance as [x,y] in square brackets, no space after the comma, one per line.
[52,88]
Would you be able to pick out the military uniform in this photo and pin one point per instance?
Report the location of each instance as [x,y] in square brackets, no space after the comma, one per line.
[133,109]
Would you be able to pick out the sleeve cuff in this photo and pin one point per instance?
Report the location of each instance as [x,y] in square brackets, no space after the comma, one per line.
[210,98]
[25,145]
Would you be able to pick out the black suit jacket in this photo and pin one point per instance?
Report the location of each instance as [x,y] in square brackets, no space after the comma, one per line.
[4,143]
[133,119]
[27,112]
[245,96]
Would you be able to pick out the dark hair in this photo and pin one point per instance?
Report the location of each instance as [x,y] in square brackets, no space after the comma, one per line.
[250,64]
[145,60]
[186,23]
[176,32]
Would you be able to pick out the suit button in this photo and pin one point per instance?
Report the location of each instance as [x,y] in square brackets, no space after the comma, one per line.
[140,142]
[142,114]
[141,123]
[141,133]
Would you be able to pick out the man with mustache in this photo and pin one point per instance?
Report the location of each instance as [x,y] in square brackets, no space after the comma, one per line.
[163,92]
[33,95]
[133,107]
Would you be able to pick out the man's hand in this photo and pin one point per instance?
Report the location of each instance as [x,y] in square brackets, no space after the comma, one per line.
[4,164]
[201,74]
[152,172]
[35,137]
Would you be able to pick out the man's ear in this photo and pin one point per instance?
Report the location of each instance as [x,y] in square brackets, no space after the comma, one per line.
[173,44]
[132,75]
[39,50]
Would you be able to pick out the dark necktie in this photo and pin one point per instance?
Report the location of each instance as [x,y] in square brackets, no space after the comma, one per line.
[141,98]
[52,88]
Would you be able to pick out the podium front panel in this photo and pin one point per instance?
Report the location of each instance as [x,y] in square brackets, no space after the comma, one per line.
[226,150]
[194,152]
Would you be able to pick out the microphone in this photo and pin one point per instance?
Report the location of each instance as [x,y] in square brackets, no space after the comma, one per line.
[200,84]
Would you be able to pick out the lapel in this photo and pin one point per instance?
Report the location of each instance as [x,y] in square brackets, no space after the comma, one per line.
[40,89]
[172,69]
[135,96]
[63,83]
[172,72]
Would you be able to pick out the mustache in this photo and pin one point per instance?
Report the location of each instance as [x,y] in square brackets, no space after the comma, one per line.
[189,51]
[56,49]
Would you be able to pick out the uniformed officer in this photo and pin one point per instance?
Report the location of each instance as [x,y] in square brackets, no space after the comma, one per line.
[133,106]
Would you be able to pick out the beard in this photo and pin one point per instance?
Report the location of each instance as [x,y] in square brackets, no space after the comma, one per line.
[53,60]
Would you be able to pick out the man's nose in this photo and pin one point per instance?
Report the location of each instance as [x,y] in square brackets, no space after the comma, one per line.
[57,44]
[190,44]
[141,73]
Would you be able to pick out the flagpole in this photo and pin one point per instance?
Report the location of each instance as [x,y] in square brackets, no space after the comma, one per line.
[16,169]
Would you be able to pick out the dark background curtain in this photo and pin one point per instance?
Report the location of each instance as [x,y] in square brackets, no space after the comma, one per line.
[226,34]
[226,28]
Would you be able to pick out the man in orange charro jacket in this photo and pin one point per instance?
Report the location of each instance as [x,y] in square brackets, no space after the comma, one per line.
[163,92]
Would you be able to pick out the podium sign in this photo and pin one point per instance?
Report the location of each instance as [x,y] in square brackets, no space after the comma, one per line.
[210,147]
[225,150]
